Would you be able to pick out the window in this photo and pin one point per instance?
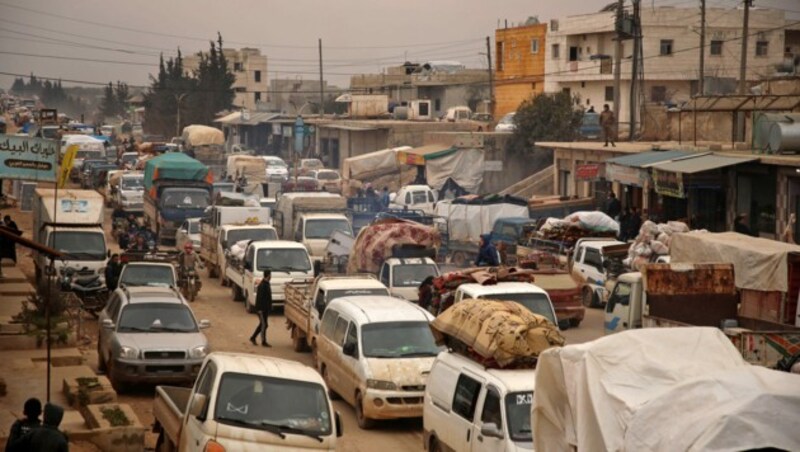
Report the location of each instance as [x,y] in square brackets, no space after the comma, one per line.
[385,275]
[257,97]
[621,296]
[328,322]
[567,91]
[499,47]
[240,89]
[408,197]
[338,332]
[430,197]
[716,48]
[555,51]
[592,258]
[352,335]
[419,197]
[257,76]
[437,104]
[609,97]
[658,94]
[666,46]
[491,409]
[762,48]
[535,45]
[574,53]
[466,397]
[237,67]
[205,385]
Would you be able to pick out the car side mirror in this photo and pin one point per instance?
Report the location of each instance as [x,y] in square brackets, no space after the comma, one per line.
[491,430]
[197,405]
[563,324]
[338,420]
[108,324]
[349,349]
[203,324]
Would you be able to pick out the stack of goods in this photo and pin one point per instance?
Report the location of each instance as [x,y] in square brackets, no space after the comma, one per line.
[378,241]
[237,249]
[579,225]
[495,334]
[653,241]
[445,284]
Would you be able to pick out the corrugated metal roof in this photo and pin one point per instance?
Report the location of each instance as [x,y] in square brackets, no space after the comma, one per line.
[702,163]
[349,127]
[646,159]
[255,118]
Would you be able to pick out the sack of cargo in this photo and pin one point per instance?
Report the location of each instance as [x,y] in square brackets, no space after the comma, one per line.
[376,242]
[496,333]
[594,221]
[238,249]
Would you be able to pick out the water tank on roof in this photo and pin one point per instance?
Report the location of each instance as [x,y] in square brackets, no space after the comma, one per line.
[401,112]
[784,137]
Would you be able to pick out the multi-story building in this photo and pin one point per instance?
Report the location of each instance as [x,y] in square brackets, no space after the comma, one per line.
[297,95]
[581,49]
[445,83]
[250,69]
[519,65]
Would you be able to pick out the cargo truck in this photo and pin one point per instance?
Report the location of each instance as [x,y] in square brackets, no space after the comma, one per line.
[310,218]
[223,226]
[71,223]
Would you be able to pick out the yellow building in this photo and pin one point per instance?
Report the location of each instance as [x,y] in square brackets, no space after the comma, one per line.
[519,67]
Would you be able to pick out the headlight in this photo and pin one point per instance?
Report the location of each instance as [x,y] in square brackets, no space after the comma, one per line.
[101,271]
[128,352]
[381,384]
[199,352]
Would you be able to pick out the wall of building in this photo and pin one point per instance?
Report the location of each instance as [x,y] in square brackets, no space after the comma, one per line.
[250,69]
[519,65]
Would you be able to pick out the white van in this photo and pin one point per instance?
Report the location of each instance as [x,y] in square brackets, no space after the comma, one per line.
[376,353]
[471,408]
[529,295]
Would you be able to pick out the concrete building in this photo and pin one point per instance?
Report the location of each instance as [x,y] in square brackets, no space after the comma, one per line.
[299,96]
[250,69]
[519,65]
[580,54]
[445,83]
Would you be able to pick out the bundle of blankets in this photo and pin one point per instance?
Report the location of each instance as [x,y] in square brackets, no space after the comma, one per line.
[652,241]
[578,225]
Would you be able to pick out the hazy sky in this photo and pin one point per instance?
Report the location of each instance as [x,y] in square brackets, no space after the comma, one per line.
[358,36]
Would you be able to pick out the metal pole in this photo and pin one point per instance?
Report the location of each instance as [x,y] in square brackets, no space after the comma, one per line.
[618,65]
[321,84]
[743,63]
[637,36]
[701,88]
[491,74]
[47,279]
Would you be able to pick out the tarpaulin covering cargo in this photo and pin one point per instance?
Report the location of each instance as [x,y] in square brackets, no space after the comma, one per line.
[661,389]
[376,242]
[501,333]
[199,135]
[469,217]
[445,284]
[175,166]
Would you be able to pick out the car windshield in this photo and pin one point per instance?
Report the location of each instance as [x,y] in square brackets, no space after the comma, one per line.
[276,164]
[322,229]
[283,259]
[80,245]
[50,132]
[327,175]
[185,199]
[537,303]
[153,317]
[334,294]
[237,235]
[398,340]
[132,183]
[507,119]
[518,415]
[194,227]
[148,275]
[273,404]
[412,275]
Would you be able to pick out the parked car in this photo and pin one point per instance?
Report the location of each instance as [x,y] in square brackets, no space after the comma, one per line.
[189,231]
[506,123]
[149,335]
[590,126]
[594,262]
[470,407]
[376,352]
[328,180]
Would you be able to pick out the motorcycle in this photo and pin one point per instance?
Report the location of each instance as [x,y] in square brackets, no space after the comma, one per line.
[89,289]
[190,284]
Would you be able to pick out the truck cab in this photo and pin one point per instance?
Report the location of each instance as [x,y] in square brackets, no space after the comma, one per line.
[534,298]
[421,197]
[594,261]
[404,275]
[625,304]
[314,230]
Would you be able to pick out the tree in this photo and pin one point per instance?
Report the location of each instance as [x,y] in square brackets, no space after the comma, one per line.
[108,106]
[19,86]
[545,118]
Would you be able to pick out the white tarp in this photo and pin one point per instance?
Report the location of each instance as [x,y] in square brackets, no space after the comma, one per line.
[199,135]
[466,222]
[378,162]
[464,166]
[758,264]
[588,395]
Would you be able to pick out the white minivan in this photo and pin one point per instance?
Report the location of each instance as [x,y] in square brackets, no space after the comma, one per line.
[376,353]
[472,408]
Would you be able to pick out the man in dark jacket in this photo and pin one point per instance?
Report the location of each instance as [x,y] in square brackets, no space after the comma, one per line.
[47,438]
[8,248]
[487,255]
[263,307]
[113,270]
[613,206]
[21,427]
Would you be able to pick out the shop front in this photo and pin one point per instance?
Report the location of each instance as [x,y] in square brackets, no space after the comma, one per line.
[632,174]
[594,174]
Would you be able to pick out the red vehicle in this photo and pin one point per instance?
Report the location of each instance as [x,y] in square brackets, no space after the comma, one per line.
[564,292]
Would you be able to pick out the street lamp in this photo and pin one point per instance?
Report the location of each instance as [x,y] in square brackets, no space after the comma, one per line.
[178,99]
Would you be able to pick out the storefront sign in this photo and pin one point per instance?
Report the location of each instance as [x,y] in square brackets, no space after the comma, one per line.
[668,183]
[626,175]
[590,171]
[28,158]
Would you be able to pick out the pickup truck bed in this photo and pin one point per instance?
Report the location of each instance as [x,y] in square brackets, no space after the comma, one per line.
[297,314]
[168,409]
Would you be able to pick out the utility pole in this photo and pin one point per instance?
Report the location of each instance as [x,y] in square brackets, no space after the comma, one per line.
[178,99]
[618,64]
[637,42]
[321,84]
[745,32]
[491,74]
[702,90]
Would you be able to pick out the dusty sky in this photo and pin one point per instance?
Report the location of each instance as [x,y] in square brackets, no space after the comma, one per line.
[125,38]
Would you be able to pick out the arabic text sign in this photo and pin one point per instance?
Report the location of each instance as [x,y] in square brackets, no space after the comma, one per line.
[28,158]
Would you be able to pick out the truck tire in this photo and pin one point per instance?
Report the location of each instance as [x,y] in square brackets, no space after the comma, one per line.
[589,298]
[364,422]
[574,323]
[298,343]
[101,363]
[236,292]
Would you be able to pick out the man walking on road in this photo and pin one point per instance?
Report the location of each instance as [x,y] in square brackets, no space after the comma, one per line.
[607,122]
[263,307]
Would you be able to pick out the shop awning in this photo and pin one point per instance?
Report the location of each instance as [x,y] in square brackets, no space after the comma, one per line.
[647,159]
[705,162]
[418,156]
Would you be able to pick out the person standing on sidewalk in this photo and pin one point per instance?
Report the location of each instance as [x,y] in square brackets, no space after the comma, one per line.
[21,427]
[607,122]
[8,248]
[263,307]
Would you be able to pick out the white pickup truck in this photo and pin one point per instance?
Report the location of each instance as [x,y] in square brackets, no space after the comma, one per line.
[246,402]
[223,226]
[286,260]
[529,295]
[404,275]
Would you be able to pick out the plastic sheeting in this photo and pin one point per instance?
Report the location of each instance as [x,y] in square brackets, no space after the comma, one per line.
[174,165]
[375,243]
[464,166]
[466,222]
[373,163]
[759,264]
[199,135]
[660,389]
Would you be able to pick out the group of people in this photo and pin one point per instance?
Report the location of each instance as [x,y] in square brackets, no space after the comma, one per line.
[32,434]
[380,200]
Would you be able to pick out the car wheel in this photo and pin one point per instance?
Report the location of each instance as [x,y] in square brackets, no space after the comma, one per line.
[459,259]
[589,298]
[363,421]
[435,446]
[237,293]
[331,393]
[314,355]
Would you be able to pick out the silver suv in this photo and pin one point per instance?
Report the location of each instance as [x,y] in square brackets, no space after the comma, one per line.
[149,335]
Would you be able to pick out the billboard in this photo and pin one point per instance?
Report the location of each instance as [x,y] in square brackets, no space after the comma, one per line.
[28,158]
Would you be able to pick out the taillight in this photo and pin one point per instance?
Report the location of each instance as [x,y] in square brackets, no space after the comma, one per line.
[213,446]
